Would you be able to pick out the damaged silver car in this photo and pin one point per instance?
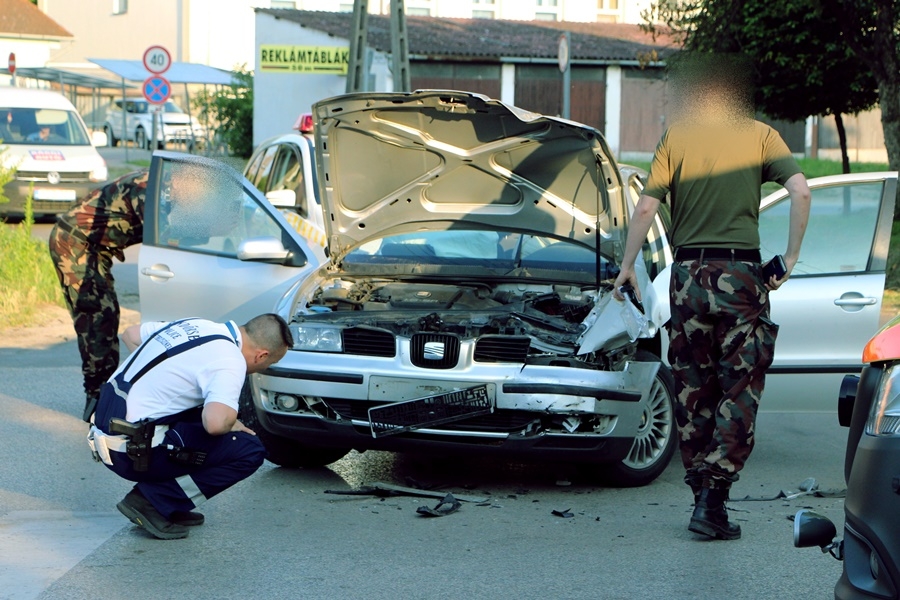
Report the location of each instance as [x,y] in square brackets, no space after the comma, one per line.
[466,302]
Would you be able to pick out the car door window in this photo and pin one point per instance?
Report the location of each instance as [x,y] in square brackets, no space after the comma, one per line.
[288,175]
[841,230]
[205,211]
[265,169]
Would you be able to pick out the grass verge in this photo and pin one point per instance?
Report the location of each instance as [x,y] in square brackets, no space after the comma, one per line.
[26,275]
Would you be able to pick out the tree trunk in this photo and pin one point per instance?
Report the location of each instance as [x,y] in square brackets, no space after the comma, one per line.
[842,136]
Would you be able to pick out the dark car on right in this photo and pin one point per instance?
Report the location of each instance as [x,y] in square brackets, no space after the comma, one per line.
[869,405]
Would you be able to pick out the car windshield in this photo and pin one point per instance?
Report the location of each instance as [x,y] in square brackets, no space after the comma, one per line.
[19,126]
[477,252]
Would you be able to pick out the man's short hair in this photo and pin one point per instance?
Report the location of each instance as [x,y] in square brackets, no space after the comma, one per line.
[269,331]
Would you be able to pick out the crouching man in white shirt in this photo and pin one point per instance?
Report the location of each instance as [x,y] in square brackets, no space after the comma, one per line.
[167,418]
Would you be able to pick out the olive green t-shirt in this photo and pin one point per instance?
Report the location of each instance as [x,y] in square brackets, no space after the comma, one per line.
[713,174]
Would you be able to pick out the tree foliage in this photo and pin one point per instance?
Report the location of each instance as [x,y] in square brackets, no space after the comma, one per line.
[230,110]
[872,29]
[803,65]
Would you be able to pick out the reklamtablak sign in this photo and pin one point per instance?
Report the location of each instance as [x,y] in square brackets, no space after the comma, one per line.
[331,60]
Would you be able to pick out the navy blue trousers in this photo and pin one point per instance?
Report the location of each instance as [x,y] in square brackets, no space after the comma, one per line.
[171,486]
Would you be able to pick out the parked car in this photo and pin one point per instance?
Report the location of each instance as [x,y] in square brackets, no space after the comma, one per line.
[283,168]
[173,125]
[46,141]
[466,302]
[870,406]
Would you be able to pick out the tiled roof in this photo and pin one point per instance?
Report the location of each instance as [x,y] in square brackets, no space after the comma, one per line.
[491,38]
[21,18]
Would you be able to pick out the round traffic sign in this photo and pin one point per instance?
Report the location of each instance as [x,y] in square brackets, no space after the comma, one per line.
[157,59]
[562,53]
[12,63]
[156,89]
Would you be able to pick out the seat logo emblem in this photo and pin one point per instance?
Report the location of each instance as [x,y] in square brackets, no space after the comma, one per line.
[434,350]
[53,177]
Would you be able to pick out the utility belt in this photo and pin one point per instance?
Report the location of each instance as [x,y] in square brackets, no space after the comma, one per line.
[64,225]
[702,254]
[136,440]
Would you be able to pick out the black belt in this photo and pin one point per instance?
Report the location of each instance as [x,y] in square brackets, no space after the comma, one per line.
[66,226]
[717,254]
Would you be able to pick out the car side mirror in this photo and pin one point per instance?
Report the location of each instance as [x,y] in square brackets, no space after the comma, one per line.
[98,138]
[262,249]
[812,529]
[282,198]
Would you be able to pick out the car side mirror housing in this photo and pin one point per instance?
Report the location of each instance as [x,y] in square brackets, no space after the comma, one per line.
[812,529]
[98,138]
[262,249]
[282,198]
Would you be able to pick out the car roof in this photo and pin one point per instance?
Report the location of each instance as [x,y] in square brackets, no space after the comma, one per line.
[11,97]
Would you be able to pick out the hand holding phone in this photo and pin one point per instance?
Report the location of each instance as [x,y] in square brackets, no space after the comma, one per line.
[775,267]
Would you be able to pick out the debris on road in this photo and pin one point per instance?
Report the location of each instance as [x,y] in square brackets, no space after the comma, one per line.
[386,490]
[447,506]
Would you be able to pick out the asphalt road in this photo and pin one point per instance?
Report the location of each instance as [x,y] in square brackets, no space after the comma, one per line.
[280,535]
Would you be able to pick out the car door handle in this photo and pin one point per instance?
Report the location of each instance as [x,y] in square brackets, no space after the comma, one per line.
[864,301]
[152,272]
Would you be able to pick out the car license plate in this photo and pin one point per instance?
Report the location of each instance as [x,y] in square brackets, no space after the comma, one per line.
[52,194]
[390,419]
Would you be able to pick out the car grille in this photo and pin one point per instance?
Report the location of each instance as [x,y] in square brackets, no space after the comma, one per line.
[505,421]
[368,342]
[502,348]
[434,350]
[77,177]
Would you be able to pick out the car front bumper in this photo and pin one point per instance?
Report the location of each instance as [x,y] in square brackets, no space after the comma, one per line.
[871,528]
[323,399]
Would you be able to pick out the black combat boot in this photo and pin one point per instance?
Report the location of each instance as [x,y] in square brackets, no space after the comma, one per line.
[710,517]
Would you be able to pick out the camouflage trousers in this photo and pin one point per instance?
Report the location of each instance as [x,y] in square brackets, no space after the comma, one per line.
[721,343]
[85,275]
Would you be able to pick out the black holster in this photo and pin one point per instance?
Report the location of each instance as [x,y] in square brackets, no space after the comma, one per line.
[140,442]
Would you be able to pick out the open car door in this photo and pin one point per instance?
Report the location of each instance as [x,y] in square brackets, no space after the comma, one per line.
[213,246]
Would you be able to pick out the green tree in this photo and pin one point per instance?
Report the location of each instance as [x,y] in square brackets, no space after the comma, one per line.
[801,61]
[872,29]
[230,111]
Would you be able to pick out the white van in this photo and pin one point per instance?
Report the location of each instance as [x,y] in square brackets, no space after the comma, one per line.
[46,141]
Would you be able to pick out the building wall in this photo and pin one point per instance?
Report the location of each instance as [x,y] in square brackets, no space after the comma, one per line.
[29,53]
[617,11]
[279,98]
[213,32]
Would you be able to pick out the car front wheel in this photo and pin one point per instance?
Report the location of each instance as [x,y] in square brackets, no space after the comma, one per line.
[110,136]
[656,438]
[140,138]
[283,451]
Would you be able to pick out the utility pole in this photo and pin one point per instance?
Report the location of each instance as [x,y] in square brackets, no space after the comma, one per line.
[357,69]
[399,47]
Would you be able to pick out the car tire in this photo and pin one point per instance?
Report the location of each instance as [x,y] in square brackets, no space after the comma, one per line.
[111,139]
[283,451]
[140,139]
[656,440]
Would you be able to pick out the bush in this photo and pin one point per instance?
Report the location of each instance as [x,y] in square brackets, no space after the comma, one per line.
[230,112]
[27,276]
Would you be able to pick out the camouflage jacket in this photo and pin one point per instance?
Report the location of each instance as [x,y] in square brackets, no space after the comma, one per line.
[111,218]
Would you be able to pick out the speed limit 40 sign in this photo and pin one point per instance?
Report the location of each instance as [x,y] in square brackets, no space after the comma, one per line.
[157,59]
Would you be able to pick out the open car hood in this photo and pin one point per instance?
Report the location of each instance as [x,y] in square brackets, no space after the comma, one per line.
[432,160]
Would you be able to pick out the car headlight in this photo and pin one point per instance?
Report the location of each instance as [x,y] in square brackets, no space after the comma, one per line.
[317,338]
[99,174]
[885,416]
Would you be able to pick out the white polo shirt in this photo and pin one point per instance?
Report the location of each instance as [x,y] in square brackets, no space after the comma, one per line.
[210,372]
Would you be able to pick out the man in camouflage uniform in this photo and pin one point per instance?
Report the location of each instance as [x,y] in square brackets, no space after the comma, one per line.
[82,246]
[711,162]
